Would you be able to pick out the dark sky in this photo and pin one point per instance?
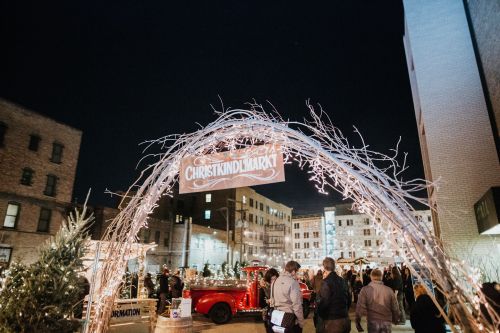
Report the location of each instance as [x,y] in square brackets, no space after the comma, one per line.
[127,71]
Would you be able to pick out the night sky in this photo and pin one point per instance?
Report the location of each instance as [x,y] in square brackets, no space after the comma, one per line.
[127,71]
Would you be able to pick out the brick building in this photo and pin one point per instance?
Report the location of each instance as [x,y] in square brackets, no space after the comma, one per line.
[38,158]
[453,66]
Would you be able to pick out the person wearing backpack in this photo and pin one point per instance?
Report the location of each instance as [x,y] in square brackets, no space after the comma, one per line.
[334,300]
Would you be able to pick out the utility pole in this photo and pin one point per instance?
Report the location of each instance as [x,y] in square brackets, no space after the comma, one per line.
[241,210]
[227,230]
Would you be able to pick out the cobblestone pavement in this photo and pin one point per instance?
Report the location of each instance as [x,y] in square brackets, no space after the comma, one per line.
[250,324]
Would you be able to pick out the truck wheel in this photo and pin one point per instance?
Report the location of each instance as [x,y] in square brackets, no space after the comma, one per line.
[306,308]
[220,313]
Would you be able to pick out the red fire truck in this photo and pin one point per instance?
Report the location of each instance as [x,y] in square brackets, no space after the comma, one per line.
[220,302]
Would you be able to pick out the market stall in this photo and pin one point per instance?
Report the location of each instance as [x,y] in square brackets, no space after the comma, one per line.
[136,313]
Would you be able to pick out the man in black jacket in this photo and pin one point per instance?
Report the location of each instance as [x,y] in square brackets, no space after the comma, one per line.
[163,290]
[335,300]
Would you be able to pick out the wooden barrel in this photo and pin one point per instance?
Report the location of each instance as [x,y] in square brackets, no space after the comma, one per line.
[174,325]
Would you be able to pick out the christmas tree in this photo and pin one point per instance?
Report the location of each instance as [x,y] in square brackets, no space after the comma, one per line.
[42,297]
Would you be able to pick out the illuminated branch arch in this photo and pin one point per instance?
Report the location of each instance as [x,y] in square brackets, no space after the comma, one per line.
[369,178]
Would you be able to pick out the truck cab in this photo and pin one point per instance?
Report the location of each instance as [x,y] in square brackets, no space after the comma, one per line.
[222,299]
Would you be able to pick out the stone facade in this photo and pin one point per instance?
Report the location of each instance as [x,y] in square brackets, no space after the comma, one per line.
[38,159]
[308,239]
[458,147]
[357,236]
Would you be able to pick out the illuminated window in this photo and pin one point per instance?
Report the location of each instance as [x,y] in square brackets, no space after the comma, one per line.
[244,199]
[350,232]
[12,215]
[208,213]
[208,197]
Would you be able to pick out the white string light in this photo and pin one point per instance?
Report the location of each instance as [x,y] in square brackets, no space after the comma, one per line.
[368,178]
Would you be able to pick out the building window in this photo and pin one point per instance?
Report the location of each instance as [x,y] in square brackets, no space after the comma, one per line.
[157,237]
[306,235]
[5,253]
[366,232]
[34,142]
[261,206]
[341,254]
[44,220]
[296,225]
[267,210]
[250,217]
[429,219]
[12,215]
[178,218]
[297,245]
[166,239]
[57,151]
[366,221]
[261,220]
[340,223]
[208,214]
[50,187]
[297,255]
[316,245]
[27,177]
[251,202]
[3,130]
[368,242]
[316,234]
[306,245]
[350,222]
[297,235]
[208,197]
[244,199]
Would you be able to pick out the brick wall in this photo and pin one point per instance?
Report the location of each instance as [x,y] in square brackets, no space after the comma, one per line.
[454,127]
[15,155]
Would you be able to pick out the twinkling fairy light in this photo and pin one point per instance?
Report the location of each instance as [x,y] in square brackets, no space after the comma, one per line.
[372,180]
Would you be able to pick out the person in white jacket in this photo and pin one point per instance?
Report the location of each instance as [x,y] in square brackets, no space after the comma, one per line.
[288,296]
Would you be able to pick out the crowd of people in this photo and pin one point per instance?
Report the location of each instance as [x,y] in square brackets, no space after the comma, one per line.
[384,296]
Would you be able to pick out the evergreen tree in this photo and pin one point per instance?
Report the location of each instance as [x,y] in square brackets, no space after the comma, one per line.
[41,297]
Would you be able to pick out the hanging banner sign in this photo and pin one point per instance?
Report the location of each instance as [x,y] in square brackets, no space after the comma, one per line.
[236,168]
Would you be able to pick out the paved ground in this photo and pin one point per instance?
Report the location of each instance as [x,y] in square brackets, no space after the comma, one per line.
[249,324]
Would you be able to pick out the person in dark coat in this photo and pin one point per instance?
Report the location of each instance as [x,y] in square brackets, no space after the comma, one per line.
[396,283]
[176,285]
[408,289]
[163,291]
[334,300]
[425,316]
